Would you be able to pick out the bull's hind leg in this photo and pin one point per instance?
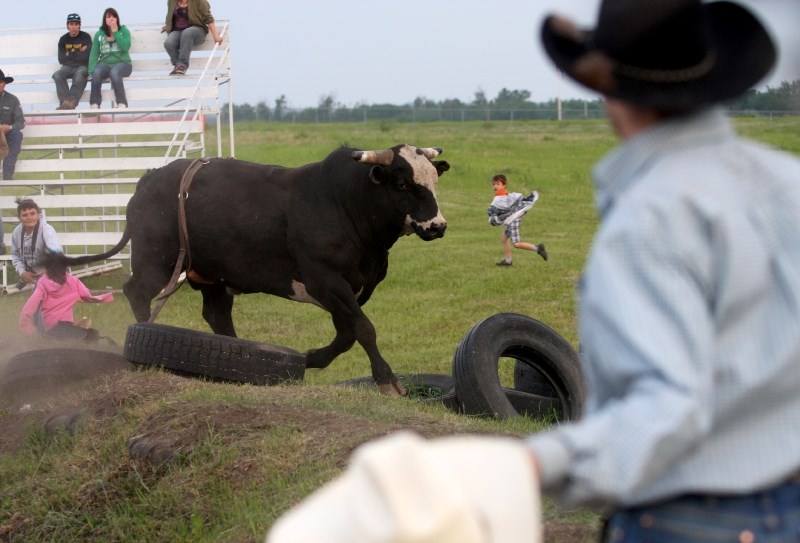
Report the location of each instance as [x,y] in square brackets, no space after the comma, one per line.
[217,309]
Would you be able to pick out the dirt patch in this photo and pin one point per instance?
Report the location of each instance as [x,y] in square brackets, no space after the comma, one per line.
[173,423]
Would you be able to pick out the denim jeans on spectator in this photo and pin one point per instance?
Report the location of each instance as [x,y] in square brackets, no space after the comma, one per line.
[179,44]
[14,139]
[770,516]
[116,73]
[79,77]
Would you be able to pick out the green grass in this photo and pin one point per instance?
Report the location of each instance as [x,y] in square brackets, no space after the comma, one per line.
[239,477]
[435,291]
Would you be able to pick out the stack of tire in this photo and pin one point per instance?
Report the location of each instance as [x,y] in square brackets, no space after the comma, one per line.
[548,382]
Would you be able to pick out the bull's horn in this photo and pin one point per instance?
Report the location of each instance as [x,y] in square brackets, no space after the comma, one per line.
[384,158]
[431,152]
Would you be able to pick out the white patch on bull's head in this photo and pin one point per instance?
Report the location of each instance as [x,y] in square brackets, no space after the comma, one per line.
[425,174]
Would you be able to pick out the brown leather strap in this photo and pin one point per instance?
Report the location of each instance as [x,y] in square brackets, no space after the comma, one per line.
[183,235]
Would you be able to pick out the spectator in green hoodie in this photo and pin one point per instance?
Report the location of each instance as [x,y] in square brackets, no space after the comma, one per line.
[110,58]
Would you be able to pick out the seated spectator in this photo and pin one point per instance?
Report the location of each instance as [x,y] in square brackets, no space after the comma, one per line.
[29,241]
[110,58]
[12,121]
[74,49]
[188,23]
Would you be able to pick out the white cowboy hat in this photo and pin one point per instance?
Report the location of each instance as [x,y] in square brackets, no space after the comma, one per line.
[405,489]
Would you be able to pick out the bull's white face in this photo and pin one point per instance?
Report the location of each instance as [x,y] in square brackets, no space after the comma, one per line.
[426,224]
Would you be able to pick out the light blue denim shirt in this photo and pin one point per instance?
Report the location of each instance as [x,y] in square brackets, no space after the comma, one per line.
[689,323]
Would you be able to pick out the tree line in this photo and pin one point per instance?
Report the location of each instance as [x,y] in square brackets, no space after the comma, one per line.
[508,105]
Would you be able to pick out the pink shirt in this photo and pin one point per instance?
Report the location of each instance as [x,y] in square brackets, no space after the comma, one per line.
[56,302]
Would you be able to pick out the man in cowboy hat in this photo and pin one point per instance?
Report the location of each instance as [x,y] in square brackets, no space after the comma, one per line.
[12,121]
[689,303]
[690,300]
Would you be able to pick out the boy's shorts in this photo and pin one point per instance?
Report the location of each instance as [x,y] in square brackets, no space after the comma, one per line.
[512,231]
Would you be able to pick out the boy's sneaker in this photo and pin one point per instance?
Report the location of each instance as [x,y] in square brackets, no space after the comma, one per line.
[94,106]
[180,69]
[542,251]
[503,263]
[122,106]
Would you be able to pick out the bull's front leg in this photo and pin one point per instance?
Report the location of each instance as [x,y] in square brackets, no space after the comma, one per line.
[353,325]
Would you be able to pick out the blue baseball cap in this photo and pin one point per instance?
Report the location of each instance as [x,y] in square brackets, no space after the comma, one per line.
[73,18]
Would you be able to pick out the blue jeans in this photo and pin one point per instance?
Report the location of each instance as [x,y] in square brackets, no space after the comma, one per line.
[179,44]
[770,516]
[116,73]
[14,139]
[79,77]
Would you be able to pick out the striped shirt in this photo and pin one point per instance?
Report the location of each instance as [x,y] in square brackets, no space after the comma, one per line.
[689,323]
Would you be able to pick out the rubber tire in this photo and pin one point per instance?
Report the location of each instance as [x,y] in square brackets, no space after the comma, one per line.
[475,365]
[52,369]
[219,358]
[529,379]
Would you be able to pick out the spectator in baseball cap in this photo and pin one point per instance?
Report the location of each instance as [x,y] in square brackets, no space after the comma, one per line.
[74,49]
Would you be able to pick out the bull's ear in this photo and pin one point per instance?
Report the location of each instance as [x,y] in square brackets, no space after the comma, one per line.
[441,166]
[377,174]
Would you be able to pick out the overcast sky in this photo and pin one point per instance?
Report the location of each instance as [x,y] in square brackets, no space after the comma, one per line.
[375,51]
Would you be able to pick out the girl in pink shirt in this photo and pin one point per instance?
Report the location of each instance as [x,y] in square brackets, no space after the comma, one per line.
[50,306]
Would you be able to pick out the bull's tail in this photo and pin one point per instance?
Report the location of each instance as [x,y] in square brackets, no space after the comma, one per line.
[78,260]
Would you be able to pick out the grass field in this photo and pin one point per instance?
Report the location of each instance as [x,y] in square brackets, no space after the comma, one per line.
[239,477]
[435,291]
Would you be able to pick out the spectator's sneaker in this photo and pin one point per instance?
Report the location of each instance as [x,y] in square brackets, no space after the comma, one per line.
[503,263]
[174,71]
[68,103]
[122,106]
[542,251]
[94,106]
[180,69]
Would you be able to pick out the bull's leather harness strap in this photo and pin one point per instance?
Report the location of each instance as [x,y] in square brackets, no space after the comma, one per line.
[183,235]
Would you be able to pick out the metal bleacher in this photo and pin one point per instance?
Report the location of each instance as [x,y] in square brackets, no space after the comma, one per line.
[82,165]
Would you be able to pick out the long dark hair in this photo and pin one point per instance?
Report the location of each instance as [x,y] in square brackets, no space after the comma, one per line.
[104,26]
[54,266]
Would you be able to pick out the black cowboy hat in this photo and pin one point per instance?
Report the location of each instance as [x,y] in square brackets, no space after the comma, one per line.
[667,54]
[4,78]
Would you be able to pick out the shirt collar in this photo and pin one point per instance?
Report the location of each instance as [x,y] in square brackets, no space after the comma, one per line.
[620,169]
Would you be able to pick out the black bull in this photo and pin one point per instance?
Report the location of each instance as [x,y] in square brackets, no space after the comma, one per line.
[319,233]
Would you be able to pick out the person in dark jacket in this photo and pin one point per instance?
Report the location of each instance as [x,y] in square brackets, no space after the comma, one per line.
[12,121]
[74,48]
